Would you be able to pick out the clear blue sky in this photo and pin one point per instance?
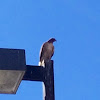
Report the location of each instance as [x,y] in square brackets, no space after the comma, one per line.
[26,24]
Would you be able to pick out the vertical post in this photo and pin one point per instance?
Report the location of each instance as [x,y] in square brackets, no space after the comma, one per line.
[48,82]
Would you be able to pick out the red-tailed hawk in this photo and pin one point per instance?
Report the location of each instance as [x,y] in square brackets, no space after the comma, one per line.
[46,51]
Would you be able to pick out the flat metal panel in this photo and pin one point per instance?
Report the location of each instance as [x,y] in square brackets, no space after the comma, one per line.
[10,80]
[12,59]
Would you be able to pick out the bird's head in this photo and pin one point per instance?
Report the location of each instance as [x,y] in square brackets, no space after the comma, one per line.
[51,40]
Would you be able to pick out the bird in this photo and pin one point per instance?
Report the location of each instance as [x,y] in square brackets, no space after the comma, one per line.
[46,51]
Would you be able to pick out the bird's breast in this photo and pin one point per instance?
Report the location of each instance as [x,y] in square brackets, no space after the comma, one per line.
[50,47]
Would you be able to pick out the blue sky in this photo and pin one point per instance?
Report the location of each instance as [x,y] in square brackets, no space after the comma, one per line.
[26,24]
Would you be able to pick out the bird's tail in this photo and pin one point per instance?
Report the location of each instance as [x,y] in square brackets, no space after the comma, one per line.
[40,63]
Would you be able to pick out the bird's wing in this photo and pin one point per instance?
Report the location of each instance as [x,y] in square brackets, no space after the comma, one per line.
[52,51]
[42,50]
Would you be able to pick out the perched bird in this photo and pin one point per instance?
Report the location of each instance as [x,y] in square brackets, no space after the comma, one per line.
[46,51]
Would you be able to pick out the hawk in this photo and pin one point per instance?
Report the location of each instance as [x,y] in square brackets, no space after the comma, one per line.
[46,51]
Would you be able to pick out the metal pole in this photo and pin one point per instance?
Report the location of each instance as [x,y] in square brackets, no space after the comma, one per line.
[48,82]
[33,73]
[43,74]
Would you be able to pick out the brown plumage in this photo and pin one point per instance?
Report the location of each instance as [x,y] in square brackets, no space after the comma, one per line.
[47,51]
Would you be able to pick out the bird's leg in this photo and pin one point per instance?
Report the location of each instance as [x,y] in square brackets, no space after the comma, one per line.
[43,63]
